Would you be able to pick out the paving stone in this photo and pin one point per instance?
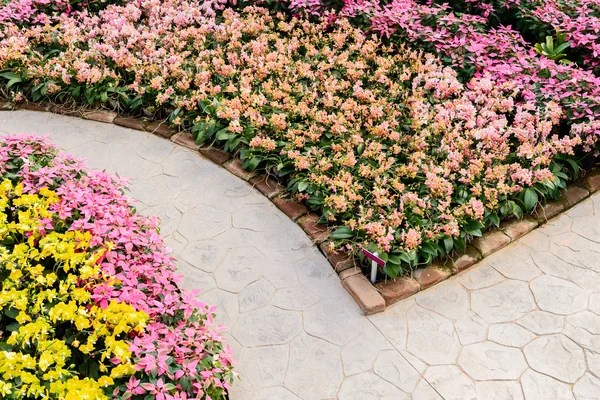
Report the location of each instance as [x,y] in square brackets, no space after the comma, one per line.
[584,329]
[368,386]
[595,303]
[593,361]
[451,383]
[170,217]
[430,276]
[584,210]
[176,242]
[155,151]
[133,167]
[332,320]
[536,240]
[481,276]
[294,298]
[520,266]
[270,371]
[267,326]
[228,309]
[550,264]
[398,289]
[583,227]
[240,267]
[499,390]
[486,361]
[516,228]
[393,322]
[194,279]
[538,386]
[359,355]
[510,334]
[588,388]
[561,224]
[556,356]
[291,208]
[310,379]
[431,337]
[558,296]
[542,323]
[258,218]
[213,223]
[504,302]
[471,328]
[278,392]
[157,191]
[256,295]
[490,242]
[393,367]
[449,299]
[205,255]
[316,275]
[424,391]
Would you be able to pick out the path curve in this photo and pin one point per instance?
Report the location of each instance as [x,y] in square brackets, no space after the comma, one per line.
[523,323]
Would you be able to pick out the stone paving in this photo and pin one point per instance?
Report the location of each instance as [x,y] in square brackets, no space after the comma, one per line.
[522,324]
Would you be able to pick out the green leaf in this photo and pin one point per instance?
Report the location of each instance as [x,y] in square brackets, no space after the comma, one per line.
[251,164]
[9,75]
[302,186]
[459,244]
[12,82]
[473,228]
[574,167]
[448,244]
[343,232]
[530,198]
[494,219]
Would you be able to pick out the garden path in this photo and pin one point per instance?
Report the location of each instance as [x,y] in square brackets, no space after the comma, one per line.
[523,323]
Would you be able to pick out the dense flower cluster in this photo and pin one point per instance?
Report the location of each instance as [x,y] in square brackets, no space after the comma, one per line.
[398,152]
[468,44]
[89,298]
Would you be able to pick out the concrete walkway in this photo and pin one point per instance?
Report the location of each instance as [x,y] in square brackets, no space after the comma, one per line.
[524,323]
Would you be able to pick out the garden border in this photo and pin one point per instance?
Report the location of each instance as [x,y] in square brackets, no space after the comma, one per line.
[371,298]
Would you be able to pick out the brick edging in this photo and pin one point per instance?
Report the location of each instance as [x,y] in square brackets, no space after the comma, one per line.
[371,298]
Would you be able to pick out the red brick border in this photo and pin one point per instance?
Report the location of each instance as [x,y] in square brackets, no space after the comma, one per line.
[371,298]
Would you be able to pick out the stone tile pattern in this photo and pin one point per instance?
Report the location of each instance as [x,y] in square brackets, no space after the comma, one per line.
[524,323]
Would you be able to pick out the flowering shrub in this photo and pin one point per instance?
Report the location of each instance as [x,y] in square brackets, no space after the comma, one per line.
[469,45]
[390,145]
[90,306]
[45,11]
[579,20]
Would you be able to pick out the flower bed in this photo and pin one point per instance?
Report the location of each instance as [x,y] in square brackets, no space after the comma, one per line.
[89,301]
[392,148]
[467,43]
